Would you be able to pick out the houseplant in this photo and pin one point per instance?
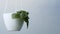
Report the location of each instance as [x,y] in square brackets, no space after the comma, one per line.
[14,21]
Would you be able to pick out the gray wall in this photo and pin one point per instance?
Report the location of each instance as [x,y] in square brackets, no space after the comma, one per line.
[44,16]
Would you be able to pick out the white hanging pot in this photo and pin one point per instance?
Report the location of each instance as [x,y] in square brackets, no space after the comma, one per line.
[14,21]
[12,24]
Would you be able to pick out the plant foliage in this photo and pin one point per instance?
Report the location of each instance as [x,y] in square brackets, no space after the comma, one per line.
[21,15]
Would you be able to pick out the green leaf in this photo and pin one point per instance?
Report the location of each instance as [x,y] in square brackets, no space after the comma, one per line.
[26,20]
[15,15]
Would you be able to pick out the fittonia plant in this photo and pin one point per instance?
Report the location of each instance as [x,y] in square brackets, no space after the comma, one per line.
[21,15]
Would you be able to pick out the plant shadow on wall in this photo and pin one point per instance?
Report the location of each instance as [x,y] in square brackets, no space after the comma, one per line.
[16,20]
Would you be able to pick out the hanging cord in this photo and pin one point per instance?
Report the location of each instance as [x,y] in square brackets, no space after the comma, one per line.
[5,6]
